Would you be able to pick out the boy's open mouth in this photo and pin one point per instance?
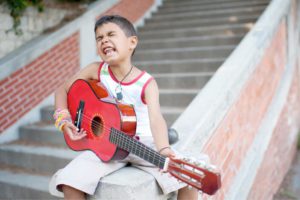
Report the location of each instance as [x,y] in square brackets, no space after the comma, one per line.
[108,50]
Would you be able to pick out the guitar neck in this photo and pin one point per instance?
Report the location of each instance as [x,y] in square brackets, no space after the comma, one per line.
[131,145]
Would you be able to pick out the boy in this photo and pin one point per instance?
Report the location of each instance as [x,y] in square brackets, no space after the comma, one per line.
[116,41]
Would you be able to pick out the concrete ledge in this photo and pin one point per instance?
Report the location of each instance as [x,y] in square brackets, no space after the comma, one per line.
[131,184]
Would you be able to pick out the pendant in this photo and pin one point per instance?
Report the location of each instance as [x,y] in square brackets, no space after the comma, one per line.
[119,92]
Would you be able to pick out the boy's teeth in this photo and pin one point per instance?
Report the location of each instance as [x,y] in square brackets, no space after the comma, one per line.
[108,50]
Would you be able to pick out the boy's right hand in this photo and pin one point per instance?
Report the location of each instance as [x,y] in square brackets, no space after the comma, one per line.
[72,132]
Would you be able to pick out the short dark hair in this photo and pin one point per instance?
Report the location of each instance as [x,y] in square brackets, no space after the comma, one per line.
[122,22]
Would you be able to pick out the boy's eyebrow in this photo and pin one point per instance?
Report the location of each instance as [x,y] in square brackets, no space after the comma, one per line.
[110,32]
[101,35]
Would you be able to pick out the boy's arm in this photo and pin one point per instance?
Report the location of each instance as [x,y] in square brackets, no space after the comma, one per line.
[157,122]
[89,72]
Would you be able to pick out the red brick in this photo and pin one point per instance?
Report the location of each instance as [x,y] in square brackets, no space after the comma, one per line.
[131,9]
[234,135]
[280,151]
[7,82]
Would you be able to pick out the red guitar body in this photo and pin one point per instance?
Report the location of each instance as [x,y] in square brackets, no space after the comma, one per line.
[101,113]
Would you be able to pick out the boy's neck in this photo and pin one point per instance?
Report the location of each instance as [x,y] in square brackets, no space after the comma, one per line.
[121,70]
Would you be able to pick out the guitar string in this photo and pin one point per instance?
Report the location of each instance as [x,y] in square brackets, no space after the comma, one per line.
[151,154]
[100,125]
[179,176]
[156,158]
[144,152]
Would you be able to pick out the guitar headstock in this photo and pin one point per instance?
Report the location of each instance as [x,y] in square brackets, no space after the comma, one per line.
[195,173]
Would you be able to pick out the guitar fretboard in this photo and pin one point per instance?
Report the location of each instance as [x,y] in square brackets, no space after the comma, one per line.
[137,148]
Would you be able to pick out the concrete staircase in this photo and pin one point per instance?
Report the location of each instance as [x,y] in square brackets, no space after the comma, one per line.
[182,45]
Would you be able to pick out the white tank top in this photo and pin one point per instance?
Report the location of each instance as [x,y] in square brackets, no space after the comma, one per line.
[133,93]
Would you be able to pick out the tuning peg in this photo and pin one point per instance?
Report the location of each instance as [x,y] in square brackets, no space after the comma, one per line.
[212,168]
[197,163]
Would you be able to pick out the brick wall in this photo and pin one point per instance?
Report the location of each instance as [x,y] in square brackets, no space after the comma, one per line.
[130,9]
[27,87]
[281,149]
[235,134]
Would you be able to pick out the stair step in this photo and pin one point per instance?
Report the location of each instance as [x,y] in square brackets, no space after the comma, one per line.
[219,40]
[171,114]
[180,3]
[47,114]
[182,80]
[184,53]
[42,132]
[232,29]
[36,133]
[204,22]
[37,159]
[184,65]
[23,186]
[197,6]
[177,97]
[254,10]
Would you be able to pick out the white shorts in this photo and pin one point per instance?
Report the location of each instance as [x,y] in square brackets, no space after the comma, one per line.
[86,170]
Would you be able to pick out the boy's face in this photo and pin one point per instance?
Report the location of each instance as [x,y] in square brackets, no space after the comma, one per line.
[113,46]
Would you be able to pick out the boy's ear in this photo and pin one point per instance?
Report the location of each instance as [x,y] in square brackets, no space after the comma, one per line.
[133,41]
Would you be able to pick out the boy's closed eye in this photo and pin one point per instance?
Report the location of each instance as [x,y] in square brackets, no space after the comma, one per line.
[109,34]
[99,38]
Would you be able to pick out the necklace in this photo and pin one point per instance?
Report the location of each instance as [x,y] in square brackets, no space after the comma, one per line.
[118,89]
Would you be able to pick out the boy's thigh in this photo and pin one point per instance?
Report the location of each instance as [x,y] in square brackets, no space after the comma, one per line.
[90,166]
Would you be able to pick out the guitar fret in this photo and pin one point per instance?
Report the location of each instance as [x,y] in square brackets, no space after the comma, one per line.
[135,147]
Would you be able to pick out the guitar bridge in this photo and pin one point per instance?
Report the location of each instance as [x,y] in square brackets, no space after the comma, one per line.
[79,113]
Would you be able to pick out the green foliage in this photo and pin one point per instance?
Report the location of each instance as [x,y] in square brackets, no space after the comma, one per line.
[17,8]
[78,1]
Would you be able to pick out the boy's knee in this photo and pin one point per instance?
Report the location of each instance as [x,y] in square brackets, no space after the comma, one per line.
[186,193]
[72,193]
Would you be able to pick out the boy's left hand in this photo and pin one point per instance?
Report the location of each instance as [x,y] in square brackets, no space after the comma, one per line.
[168,153]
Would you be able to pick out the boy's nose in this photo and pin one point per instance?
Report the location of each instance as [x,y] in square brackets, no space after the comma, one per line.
[104,40]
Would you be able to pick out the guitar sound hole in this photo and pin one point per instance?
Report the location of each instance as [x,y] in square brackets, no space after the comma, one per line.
[97,126]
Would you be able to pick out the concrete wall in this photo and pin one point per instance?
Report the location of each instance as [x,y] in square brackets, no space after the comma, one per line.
[247,117]
[30,74]
[33,23]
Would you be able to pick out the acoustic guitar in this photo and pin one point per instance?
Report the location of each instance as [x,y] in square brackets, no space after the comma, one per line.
[110,127]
